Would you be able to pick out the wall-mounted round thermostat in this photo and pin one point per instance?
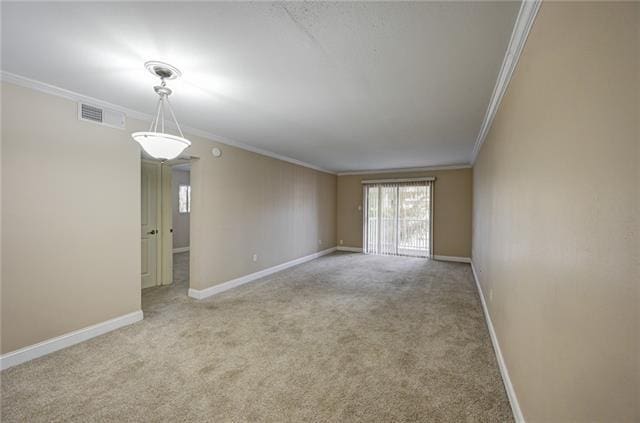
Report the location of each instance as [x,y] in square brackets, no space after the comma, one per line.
[216,152]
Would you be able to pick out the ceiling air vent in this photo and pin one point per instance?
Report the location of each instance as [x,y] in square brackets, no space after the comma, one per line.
[101,115]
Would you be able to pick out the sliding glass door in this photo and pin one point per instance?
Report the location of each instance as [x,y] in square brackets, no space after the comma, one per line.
[397,218]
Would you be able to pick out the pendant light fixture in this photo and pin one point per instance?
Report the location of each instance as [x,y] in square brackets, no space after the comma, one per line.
[156,142]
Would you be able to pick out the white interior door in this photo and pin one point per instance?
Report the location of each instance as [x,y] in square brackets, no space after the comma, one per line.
[150,207]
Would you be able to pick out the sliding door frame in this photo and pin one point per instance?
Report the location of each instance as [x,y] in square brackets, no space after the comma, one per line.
[366,184]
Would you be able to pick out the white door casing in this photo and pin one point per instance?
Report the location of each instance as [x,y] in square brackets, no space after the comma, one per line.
[166,230]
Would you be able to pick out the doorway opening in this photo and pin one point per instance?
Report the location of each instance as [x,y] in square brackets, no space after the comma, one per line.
[165,227]
[181,213]
[398,217]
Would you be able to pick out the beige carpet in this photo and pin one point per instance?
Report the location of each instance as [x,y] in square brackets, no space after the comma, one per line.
[347,337]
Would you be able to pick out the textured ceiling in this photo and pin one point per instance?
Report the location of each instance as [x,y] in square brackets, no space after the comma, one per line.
[344,86]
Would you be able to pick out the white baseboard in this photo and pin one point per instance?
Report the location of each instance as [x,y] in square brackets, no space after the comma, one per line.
[511,393]
[225,286]
[181,250]
[22,355]
[352,249]
[453,258]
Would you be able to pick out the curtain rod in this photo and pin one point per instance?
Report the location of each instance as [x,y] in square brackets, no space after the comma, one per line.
[384,181]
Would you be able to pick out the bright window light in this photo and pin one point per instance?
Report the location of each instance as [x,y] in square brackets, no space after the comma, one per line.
[184,198]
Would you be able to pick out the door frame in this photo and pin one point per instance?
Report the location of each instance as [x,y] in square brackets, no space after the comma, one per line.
[164,217]
[164,222]
[366,184]
[166,225]
[167,217]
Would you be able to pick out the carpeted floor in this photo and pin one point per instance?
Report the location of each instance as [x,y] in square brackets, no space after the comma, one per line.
[181,269]
[346,337]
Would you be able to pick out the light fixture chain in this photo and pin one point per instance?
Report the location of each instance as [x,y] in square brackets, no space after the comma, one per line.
[160,106]
[155,114]
[162,125]
[174,118]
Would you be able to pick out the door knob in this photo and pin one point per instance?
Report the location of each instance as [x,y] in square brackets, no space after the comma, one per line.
[151,232]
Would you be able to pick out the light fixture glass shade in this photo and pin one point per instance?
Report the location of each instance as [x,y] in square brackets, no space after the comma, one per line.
[161,146]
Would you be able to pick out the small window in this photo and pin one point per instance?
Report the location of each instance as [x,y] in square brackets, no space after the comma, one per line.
[184,198]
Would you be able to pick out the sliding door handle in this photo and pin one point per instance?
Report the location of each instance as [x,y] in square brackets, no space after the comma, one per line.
[151,232]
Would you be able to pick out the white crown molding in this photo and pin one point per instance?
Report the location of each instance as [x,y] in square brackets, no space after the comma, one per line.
[524,22]
[502,365]
[74,96]
[405,169]
[30,352]
[200,294]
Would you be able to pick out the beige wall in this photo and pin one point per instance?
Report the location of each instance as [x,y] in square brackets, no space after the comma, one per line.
[556,216]
[244,204]
[71,217]
[180,221]
[452,209]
